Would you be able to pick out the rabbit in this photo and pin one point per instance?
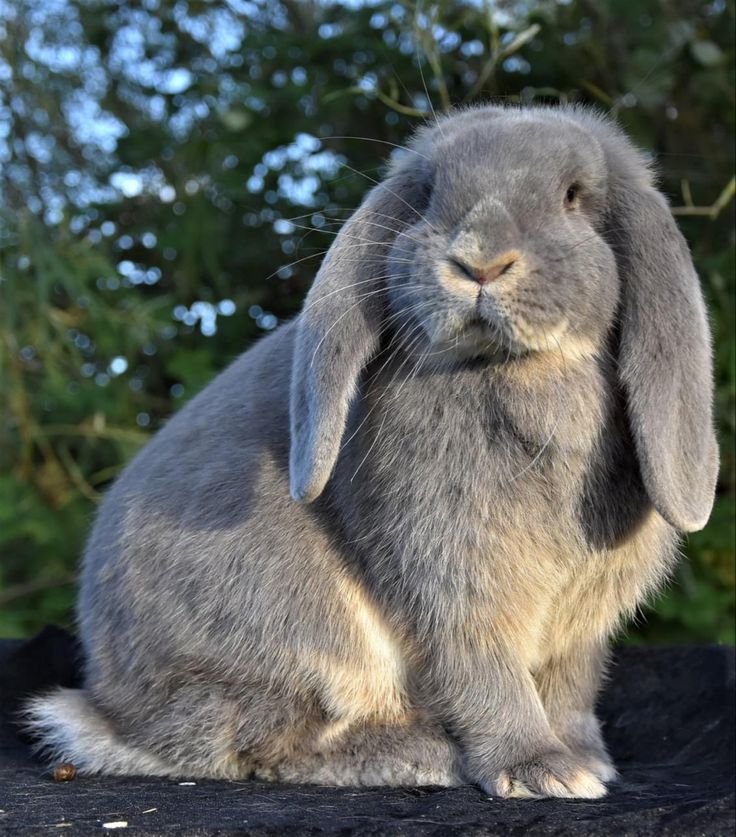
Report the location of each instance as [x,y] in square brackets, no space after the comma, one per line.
[390,543]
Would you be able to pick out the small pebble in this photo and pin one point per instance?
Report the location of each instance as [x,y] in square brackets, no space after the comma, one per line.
[64,772]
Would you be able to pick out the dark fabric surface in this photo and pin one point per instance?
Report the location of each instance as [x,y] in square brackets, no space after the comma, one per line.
[669,720]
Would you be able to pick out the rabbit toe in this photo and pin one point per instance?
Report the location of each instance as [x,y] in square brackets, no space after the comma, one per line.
[550,775]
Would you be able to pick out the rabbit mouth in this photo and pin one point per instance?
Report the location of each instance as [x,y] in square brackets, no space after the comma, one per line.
[480,337]
[508,335]
[480,327]
[498,336]
[521,334]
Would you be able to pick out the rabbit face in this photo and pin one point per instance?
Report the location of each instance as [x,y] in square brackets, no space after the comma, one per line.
[508,257]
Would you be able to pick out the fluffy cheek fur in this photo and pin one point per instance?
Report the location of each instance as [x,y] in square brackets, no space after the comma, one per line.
[554,298]
[557,299]
[423,309]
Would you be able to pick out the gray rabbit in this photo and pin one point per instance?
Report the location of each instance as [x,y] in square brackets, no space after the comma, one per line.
[389,544]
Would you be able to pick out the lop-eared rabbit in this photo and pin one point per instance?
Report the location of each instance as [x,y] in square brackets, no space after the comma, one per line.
[389,544]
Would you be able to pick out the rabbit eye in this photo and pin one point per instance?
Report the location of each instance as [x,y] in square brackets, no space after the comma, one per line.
[571,196]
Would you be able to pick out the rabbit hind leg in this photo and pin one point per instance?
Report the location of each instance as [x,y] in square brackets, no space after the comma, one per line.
[369,754]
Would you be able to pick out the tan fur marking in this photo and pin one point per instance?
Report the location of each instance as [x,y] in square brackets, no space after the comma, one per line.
[608,588]
[373,684]
[456,284]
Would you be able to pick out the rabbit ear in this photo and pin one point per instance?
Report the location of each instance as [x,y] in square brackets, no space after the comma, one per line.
[665,357]
[339,328]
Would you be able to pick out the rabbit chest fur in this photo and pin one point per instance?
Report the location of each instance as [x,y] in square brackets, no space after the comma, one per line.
[506,495]
[388,544]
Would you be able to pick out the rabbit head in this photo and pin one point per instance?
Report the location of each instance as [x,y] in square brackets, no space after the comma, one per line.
[508,258]
[508,232]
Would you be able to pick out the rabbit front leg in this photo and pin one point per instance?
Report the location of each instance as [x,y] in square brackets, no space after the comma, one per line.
[568,684]
[490,702]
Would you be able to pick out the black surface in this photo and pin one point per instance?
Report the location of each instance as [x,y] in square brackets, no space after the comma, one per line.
[669,720]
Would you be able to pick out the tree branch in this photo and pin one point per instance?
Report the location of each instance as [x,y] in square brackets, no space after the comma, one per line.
[712,211]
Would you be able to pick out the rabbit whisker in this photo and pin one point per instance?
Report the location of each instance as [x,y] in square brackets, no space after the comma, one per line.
[396,195]
[385,415]
[452,348]
[408,377]
[396,231]
[372,280]
[345,234]
[539,452]
[401,336]
[373,444]
[314,212]
[562,353]
[410,330]
[375,405]
[322,252]
[327,332]
[361,296]
[383,142]
[333,209]
[294,263]
[587,238]
[388,244]
[421,75]
[338,319]
[366,241]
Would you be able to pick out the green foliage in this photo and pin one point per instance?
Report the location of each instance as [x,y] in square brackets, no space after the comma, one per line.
[152,153]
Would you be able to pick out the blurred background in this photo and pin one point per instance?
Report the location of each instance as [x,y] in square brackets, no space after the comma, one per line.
[171,173]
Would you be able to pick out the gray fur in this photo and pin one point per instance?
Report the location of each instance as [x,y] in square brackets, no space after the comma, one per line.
[491,479]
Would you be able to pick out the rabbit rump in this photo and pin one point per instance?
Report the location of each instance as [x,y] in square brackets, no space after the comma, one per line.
[388,545]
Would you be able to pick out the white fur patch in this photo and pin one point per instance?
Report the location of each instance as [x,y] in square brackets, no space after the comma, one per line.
[69,729]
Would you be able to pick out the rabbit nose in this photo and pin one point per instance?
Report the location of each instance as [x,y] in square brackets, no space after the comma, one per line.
[496,269]
[490,271]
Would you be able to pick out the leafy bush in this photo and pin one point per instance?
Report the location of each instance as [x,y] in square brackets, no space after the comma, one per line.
[152,153]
